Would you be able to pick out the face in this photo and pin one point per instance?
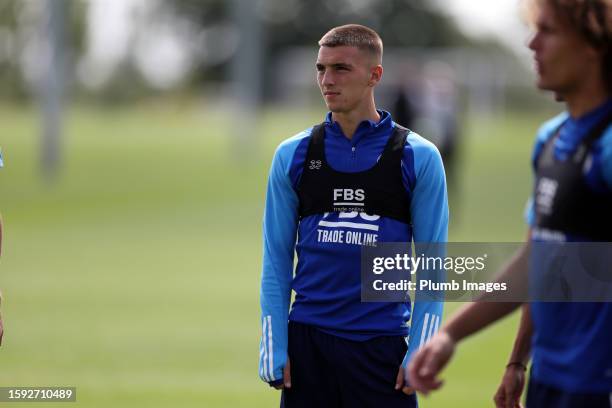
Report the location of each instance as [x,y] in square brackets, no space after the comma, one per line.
[563,59]
[346,77]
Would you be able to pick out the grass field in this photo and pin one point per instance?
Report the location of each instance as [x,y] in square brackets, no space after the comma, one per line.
[135,276]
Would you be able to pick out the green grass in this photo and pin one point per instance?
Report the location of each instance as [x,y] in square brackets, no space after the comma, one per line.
[135,276]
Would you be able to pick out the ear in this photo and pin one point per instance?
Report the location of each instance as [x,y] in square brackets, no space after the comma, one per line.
[376,73]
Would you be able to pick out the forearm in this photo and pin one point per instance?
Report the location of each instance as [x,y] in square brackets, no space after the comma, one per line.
[475,316]
[426,320]
[521,350]
[275,297]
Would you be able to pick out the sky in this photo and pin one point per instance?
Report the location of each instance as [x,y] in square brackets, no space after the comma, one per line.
[499,18]
[110,28]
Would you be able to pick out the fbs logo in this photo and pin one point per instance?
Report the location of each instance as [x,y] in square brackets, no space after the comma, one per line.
[349,197]
[545,195]
[348,194]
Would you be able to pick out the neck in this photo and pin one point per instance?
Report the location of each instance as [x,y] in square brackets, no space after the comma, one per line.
[586,99]
[349,121]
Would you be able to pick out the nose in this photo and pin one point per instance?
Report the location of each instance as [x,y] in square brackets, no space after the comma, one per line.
[327,78]
[533,41]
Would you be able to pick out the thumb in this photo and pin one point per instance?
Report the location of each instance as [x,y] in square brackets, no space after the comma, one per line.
[428,363]
[431,368]
[287,374]
[399,380]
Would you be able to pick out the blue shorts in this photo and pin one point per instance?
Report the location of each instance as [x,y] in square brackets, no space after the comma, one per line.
[544,396]
[332,372]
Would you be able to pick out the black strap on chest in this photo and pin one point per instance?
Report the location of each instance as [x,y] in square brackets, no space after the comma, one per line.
[563,200]
[378,190]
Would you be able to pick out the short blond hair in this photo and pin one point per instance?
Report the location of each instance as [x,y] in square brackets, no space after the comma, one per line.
[354,35]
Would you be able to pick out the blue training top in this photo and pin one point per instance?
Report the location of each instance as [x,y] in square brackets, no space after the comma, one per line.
[572,342]
[327,276]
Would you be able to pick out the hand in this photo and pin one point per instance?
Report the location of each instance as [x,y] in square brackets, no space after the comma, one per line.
[399,382]
[429,360]
[508,394]
[286,377]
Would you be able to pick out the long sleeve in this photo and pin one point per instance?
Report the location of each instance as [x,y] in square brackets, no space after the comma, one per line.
[429,209]
[279,236]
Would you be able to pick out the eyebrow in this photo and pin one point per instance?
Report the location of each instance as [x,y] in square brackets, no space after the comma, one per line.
[544,25]
[335,65]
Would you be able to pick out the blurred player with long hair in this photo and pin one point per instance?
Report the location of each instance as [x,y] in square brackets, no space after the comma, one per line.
[570,342]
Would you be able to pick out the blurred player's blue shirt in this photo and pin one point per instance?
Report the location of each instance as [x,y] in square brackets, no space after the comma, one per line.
[572,343]
[327,278]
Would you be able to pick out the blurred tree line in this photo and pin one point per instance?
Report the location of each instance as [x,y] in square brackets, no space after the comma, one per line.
[209,33]
[22,34]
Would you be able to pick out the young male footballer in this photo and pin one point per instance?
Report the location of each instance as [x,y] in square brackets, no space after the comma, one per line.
[356,179]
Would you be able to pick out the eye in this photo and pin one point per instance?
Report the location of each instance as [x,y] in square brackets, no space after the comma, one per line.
[546,28]
[320,68]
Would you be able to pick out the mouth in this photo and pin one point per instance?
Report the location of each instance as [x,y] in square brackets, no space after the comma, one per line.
[537,65]
[330,93]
